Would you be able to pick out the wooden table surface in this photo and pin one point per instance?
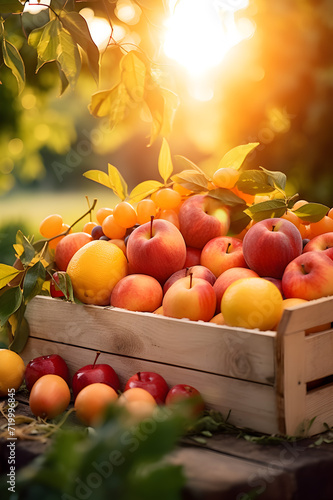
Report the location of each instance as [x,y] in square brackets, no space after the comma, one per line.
[231,468]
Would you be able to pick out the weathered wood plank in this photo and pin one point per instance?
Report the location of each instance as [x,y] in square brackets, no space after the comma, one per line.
[252,404]
[318,405]
[233,352]
[319,355]
[307,315]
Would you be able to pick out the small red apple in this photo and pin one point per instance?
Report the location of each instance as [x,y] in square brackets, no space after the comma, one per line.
[322,243]
[52,364]
[183,392]
[68,246]
[202,218]
[222,253]
[91,374]
[137,292]
[54,290]
[151,382]
[197,272]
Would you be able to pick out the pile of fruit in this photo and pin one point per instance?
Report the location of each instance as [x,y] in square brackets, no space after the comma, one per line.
[93,388]
[229,248]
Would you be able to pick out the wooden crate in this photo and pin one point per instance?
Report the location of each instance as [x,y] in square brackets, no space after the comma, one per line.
[262,377]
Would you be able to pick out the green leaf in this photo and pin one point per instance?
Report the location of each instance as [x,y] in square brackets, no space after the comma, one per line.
[113,103]
[63,80]
[1,28]
[254,182]
[13,60]
[33,281]
[117,182]
[65,285]
[20,329]
[11,6]
[10,301]
[236,156]
[133,75]
[238,220]
[77,26]
[28,250]
[276,179]
[143,190]
[266,210]
[98,176]
[311,212]
[165,166]
[191,179]
[226,196]
[45,41]
[68,55]
[7,273]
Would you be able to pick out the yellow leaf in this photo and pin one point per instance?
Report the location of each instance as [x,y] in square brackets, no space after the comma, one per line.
[236,156]
[165,166]
[144,189]
[117,182]
[19,249]
[133,75]
[7,273]
[98,176]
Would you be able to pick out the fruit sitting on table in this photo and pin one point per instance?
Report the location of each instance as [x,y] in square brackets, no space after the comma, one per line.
[44,365]
[182,392]
[138,402]
[95,373]
[152,382]
[92,401]
[11,371]
[49,396]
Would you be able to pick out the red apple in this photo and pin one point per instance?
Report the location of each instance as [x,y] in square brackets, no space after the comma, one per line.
[52,364]
[68,246]
[54,290]
[156,248]
[151,382]
[191,298]
[322,243]
[309,276]
[197,272]
[95,373]
[227,278]
[202,218]
[269,246]
[137,292]
[183,392]
[192,257]
[222,253]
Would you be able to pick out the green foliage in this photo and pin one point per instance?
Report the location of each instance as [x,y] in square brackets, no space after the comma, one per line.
[117,460]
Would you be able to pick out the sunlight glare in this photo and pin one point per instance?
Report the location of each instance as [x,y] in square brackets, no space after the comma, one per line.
[99,28]
[200,34]
[35,8]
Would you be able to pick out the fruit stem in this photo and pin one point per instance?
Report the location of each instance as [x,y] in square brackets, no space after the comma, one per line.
[64,233]
[227,250]
[303,269]
[151,225]
[96,358]
[139,375]
[273,227]
[186,271]
[191,279]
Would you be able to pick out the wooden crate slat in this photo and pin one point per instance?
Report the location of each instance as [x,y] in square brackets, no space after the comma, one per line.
[318,405]
[318,355]
[307,315]
[252,404]
[247,355]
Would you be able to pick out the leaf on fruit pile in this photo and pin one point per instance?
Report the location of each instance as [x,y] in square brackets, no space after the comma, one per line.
[98,176]
[311,212]
[13,60]
[117,182]
[10,301]
[7,273]
[186,164]
[254,182]
[65,285]
[236,156]
[33,281]
[165,166]
[19,330]
[28,252]
[276,179]
[191,179]
[238,220]
[266,209]
[143,190]
[226,196]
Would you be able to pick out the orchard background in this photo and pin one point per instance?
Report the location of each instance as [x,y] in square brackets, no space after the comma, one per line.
[207,75]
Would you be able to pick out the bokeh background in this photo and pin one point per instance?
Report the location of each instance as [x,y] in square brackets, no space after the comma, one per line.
[260,70]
